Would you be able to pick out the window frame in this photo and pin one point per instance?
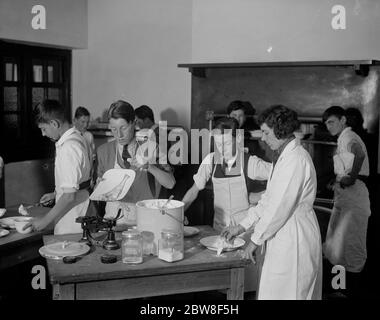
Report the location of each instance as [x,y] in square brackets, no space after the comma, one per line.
[31,144]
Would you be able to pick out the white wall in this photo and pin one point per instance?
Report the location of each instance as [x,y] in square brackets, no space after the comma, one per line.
[134,47]
[66,22]
[244,30]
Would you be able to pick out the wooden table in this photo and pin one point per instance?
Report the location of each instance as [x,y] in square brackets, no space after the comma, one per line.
[16,248]
[200,270]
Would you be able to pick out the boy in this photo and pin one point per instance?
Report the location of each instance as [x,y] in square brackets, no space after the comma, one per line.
[346,235]
[72,170]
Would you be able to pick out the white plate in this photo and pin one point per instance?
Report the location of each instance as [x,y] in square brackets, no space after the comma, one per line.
[3,232]
[10,221]
[212,241]
[190,231]
[116,182]
[62,249]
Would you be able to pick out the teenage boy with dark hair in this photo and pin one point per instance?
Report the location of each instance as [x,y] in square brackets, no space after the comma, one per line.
[72,170]
[345,243]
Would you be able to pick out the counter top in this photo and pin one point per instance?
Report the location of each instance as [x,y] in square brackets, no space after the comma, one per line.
[16,248]
[89,267]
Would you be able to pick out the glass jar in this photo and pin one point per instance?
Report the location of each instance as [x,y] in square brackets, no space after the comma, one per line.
[132,247]
[170,246]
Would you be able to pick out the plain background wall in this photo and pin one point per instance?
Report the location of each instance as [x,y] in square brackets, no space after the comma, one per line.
[66,22]
[134,47]
[296,30]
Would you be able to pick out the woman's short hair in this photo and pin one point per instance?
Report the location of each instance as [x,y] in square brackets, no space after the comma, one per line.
[81,112]
[121,110]
[281,119]
[226,123]
[246,106]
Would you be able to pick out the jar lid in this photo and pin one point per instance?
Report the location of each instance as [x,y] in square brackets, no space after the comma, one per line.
[131,233]
[170,233]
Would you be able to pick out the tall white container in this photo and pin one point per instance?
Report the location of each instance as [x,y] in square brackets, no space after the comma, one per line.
[150,217]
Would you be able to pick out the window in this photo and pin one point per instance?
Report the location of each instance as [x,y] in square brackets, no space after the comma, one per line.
[29,74]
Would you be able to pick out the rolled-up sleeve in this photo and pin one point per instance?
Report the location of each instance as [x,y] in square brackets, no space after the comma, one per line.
[204,172]
[258,169]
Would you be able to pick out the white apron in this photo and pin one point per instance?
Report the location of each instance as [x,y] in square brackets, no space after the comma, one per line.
[128,208]
[230,207]
[347,231]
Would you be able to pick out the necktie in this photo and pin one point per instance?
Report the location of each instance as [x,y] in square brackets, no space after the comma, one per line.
[125,155]
[151,180]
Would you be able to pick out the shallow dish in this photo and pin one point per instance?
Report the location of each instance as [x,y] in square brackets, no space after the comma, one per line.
[59,250]
[190,231]
[211,243]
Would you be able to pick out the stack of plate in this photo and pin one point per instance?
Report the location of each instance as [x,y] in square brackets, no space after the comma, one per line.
[10,221]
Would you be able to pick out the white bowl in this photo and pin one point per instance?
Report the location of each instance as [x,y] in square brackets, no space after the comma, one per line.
[20,225]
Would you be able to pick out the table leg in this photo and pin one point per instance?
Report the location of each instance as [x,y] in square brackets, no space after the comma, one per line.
[236,290]
[63,292]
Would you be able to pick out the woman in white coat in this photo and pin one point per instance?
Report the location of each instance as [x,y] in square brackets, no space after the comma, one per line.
[284,221]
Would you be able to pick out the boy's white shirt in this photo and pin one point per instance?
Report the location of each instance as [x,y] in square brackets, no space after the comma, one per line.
[72,167]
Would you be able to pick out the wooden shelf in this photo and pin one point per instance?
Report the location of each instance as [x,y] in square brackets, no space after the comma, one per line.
[361,67]
[280,64]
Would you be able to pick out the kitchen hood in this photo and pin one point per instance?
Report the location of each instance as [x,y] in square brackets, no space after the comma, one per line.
[361,67]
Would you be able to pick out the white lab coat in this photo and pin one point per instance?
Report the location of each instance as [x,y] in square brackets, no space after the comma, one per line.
[285,223]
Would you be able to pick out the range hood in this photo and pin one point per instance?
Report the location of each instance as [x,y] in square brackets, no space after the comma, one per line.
[361,67]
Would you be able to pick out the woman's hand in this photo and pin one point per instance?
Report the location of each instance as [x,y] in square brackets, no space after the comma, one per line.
[231,232]
[249,252]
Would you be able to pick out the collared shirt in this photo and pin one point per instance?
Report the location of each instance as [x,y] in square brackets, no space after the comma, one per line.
[278,152]
[345,139]
[230,162]
[72,162]
[205,170]
[161,160]
[90,140]
[132,147]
